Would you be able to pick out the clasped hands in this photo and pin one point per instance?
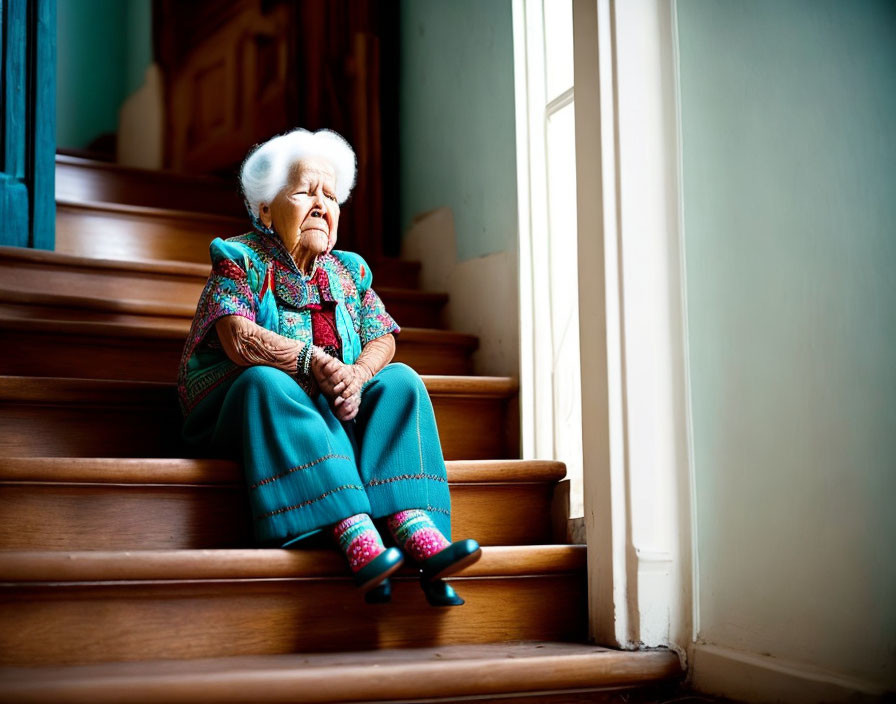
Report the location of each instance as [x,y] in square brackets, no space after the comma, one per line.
[340,383]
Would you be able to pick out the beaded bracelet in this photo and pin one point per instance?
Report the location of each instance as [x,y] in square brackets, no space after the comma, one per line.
[303,362]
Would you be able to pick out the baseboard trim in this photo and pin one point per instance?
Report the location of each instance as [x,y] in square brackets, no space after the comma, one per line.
[755,678]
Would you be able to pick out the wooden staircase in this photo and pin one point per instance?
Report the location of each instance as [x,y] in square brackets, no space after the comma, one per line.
[126,567]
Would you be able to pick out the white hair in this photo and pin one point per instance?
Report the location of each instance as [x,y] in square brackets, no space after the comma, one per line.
[266,170]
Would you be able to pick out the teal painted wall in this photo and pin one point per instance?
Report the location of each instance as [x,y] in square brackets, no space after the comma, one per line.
[789,166]
[458,143]
[104,48]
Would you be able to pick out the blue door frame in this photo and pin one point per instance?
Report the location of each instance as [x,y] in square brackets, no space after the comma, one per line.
[28,123]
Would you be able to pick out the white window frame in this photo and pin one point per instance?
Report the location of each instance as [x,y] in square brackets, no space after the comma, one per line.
[638,472]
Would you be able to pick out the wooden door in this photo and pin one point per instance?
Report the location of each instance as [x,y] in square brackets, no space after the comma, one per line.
[28,132]
[241,71]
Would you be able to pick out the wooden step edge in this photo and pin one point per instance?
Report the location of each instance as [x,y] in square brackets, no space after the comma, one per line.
[471,386]
[98,303]
[163,175]
[58,390]
[143,471]
[443,673]
[177,329]
[147,211]
[18,566]
[154,307]
[159,267]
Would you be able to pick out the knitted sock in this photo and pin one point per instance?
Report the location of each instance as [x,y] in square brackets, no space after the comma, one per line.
[359,540]
[416,534]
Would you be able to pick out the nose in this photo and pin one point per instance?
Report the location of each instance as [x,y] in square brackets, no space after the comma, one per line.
[317,206]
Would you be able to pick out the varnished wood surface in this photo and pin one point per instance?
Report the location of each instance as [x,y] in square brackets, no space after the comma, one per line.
[24,264]
[150,349]
[113,231]
[402,674]
[46,296]
[105,504]
[253,563]
[79,179]
[96,417]
[129,470]
[83,623]
[66,390]
[136,232]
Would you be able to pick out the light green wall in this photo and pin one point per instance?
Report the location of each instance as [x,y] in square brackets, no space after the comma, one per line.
[457,119]
[138,23]
[789,155]
[104,47]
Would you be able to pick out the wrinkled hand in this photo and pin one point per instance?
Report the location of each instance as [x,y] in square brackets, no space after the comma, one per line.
[340,383]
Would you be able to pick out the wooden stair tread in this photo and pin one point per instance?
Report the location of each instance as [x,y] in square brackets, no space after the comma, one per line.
[400,674]
[194,273]
[113,503]
[72,288]
[78,178]
[96,566]
[209,609]
[159,267]
[198,272]
[225,222]
[177,328]
[125,470]
[126,345]
[45,416]
[54,390]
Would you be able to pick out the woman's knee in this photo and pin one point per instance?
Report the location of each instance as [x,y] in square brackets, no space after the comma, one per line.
[265,382]
[399,377]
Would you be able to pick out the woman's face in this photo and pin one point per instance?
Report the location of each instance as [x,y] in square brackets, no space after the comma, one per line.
[305,213]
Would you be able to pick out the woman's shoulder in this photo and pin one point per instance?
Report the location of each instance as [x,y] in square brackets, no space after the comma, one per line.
[241,250]
[356,267]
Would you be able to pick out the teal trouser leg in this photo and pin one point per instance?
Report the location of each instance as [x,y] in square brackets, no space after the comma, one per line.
[399,453]
[298,460]
[305,470]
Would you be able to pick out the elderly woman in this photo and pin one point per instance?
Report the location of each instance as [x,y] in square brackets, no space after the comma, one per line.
[287,367]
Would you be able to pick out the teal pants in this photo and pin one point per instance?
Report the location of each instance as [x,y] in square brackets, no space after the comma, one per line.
[306,470]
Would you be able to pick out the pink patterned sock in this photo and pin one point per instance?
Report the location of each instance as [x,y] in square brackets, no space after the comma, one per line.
[359,540]
[417,535]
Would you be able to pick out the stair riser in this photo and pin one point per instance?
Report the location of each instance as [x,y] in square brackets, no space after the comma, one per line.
[470,428]
[42,277]
[100,234]
[135,237]
[69,624]
[39,353]
[139,517]
[78,179]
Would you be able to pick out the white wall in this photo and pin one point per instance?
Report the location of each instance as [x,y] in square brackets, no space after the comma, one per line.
[458,163]
[789,173]
[456,114]
[483,291]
